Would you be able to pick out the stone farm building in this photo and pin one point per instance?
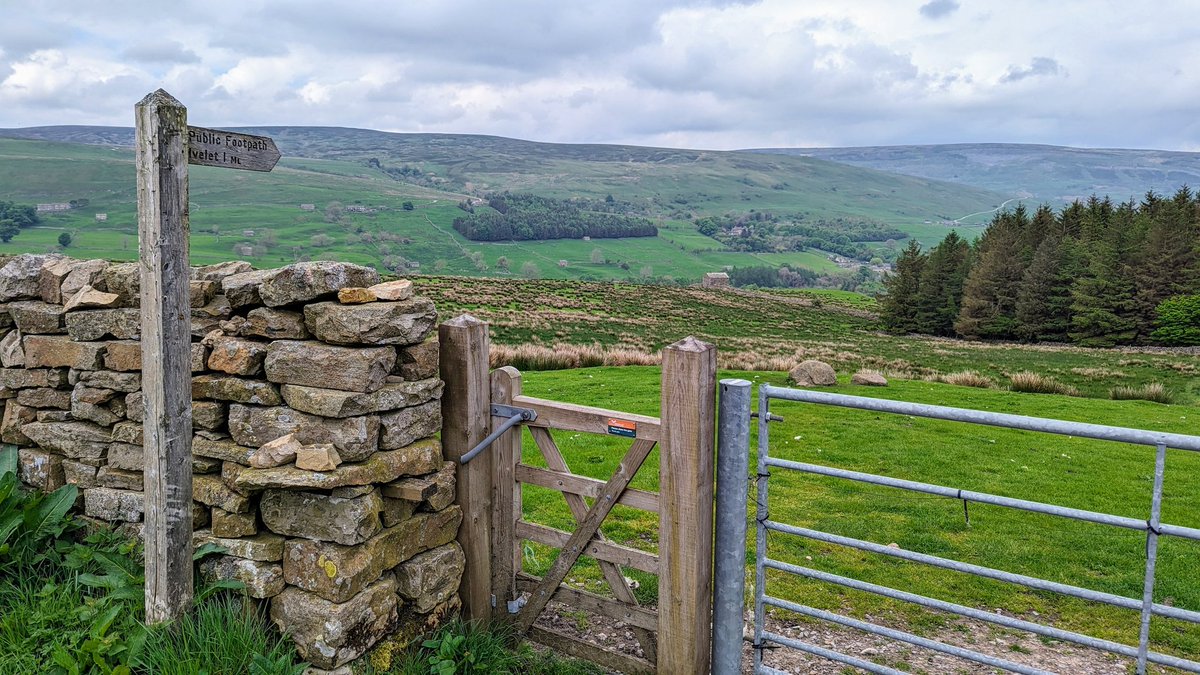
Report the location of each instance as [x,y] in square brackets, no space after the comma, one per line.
[715,280]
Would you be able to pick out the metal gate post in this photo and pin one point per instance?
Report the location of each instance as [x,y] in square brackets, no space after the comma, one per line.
[733,467]
[760,532]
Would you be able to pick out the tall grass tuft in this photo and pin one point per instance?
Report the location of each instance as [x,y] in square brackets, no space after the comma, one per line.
[1151,391]
[1032,383]
[563,356]
[967,378]
[226,634]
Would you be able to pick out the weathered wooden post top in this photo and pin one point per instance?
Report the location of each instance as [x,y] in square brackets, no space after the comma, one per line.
[165,145]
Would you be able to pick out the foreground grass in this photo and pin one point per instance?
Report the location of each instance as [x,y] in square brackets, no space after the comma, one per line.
[72,604]
[467,647]
[1073,472]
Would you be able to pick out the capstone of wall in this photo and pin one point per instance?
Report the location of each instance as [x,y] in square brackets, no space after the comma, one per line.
[315,408]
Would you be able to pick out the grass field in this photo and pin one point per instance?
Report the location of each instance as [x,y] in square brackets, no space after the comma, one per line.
[227,206]
[1071,472]
[759,334]
[774,331]
[321,167]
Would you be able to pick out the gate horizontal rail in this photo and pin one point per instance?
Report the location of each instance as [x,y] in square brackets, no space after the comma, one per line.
[1153,527]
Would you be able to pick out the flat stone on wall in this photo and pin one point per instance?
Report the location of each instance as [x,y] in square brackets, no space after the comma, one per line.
[329,634]
[316,364]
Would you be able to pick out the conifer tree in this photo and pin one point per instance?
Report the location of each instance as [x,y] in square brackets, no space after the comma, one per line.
[1043,309]
[990,291]
[1165,265]
[899,304]
[1103,296]
[941,286]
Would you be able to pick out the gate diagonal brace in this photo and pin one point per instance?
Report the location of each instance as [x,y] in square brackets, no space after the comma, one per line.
[515,416]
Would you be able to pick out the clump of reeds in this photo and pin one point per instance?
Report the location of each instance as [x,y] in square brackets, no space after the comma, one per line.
[1033,383]
[561,356]
[1151,391]
[967,378]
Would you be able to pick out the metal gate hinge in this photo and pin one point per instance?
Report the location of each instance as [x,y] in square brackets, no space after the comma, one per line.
[501,410]
[515,416]
[514,606]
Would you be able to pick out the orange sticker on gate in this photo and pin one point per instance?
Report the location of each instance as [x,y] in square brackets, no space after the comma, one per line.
[622,428]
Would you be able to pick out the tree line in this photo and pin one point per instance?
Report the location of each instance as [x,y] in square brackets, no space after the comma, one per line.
[526,216]
[13,217]
[1095,273]
[765,232]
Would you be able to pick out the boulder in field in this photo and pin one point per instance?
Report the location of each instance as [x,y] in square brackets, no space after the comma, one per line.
[868,378]
[813,373]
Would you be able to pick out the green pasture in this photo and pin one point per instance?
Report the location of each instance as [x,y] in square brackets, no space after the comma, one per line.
[833,326]
[1071,472]
[227,205]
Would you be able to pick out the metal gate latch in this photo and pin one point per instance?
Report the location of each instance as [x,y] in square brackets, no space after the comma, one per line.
[515,416]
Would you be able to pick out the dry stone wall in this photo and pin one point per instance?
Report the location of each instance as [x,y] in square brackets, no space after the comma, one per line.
[315,406]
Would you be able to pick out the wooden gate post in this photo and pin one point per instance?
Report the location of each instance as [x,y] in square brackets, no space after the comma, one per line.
[506,506]
[466,420]
[162,193]
[685,539]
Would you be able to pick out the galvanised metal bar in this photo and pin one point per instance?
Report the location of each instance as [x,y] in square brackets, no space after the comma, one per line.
[911,639]
[988,572]
[487,442]
[761,515]
[831,655]
[1097,431]
[985,498]
[1160,469]
[1153,528]
[733,470]
[1000,619]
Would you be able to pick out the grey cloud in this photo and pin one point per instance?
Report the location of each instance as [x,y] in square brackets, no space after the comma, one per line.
[937,9]
[1040,66]
[162,51]
[244,44]
[529,37]
[19,39]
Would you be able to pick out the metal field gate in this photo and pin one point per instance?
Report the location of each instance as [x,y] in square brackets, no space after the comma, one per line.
[735,415]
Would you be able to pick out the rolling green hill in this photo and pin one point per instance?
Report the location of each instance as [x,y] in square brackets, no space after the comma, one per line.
[234,209]
[1041,173]
[322,165]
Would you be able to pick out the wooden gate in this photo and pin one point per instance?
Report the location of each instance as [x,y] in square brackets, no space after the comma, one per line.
[676,637]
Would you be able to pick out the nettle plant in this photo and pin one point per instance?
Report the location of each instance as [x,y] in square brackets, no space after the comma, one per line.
[29,519]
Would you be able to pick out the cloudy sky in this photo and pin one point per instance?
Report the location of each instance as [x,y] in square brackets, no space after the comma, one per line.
[683,73]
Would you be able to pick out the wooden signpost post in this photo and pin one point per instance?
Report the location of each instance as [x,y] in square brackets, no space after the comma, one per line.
[165,145]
